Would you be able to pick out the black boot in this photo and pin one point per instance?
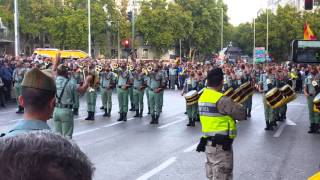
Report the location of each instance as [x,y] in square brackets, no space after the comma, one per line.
[90,116]
[249,113]
[193,123]
[20,110]
[141,113]
[317,128]
[268,126]
[152,119]
[137,113]
[190,122]
[156,119]
[274,123]
[109,113]
[75,111]
[124,116]
[121,117]
[148,110]
[105,113]
[132,108]
[101,107]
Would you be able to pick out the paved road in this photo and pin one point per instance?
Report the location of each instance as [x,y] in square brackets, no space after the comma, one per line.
[137,150]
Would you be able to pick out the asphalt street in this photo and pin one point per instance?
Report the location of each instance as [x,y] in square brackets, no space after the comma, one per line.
[136,150]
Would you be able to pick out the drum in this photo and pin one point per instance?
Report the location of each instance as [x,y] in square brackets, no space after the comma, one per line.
[247,90]
[229,92]
[274,98]
[316,104]
[192,97]
[288,94]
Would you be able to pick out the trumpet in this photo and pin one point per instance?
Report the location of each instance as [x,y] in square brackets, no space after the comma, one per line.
[149,68]
[115,66]
[130,67]
[98,68]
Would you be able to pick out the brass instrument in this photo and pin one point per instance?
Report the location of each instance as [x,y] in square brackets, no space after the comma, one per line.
[114,66]
[98,68]
[130,67]
[149,69]
[316,104]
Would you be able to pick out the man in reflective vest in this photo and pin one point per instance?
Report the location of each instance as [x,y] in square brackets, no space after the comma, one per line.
[217,115]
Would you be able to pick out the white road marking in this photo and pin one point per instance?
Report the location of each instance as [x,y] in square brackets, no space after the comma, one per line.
[157,169]
[113,124]
[288,122]
[191,148]
[172,123]
[257,107]
[84,132]
[5,112]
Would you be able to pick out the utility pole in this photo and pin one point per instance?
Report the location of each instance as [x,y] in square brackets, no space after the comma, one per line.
[89,28]
[254,40]
[267,43]
[133,28]
[118,40]
[222,28]
[180,50]
[16,28]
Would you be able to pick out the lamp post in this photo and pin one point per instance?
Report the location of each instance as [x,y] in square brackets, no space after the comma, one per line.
[222,24]
[89,28]
[16,28]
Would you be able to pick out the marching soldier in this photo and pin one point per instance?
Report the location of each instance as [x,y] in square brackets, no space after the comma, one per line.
[91,95]
[138,91]
[124,82]
[189,85]
[147,81]
[65,98]
[311,89]
[173,71]
[18,75]
[107,83]
[130,89]
[248,78]
[281,80]
[267,82]
[157,82]
[75,78]
[166,77]
[217,116]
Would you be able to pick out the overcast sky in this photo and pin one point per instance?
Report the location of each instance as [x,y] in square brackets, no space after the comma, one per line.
[240,11]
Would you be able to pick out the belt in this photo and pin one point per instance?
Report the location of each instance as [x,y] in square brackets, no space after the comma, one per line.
[67,106]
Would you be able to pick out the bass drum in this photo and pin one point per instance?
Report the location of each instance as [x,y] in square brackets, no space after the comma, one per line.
[316,104]
[192,97]
[274,98]
[288,94]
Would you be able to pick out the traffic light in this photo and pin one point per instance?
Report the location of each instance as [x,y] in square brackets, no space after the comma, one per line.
[126,44]
[129,15]
[308,4]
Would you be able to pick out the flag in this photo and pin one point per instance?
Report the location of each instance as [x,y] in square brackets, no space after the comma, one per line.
[308,34]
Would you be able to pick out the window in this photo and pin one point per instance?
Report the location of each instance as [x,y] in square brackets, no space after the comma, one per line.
[145,54]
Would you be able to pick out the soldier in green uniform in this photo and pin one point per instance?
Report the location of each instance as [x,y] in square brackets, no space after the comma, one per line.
[173,71]
[37,97]
[189,85]
[281,80]
[65,98]
[91,95]
[268,82]
[107,83]
[124,82]
[18,75]
[147,80]
[75,78]
[138,91]
[311,89]
[130,90]
[157,82]
[166,77]
[248,77]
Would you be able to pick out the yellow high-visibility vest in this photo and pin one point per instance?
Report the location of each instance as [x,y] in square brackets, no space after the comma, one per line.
[211,120]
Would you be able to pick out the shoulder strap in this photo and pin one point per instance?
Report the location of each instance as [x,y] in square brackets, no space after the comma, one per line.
[62,92]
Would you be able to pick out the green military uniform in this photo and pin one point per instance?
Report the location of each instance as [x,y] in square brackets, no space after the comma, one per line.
[189,85]
[138,93]
[75,79]
[37,80]
[248,103]
[312,84]
[124,77]
[18,75]
[63,114]
[173,77]
[156,81]
[165,75]
[147,80]
[268,82]
[280,113]
[130,90]
[107,83]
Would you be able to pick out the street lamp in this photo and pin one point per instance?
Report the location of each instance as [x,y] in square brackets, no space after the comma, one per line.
[89,28]
[16,28]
